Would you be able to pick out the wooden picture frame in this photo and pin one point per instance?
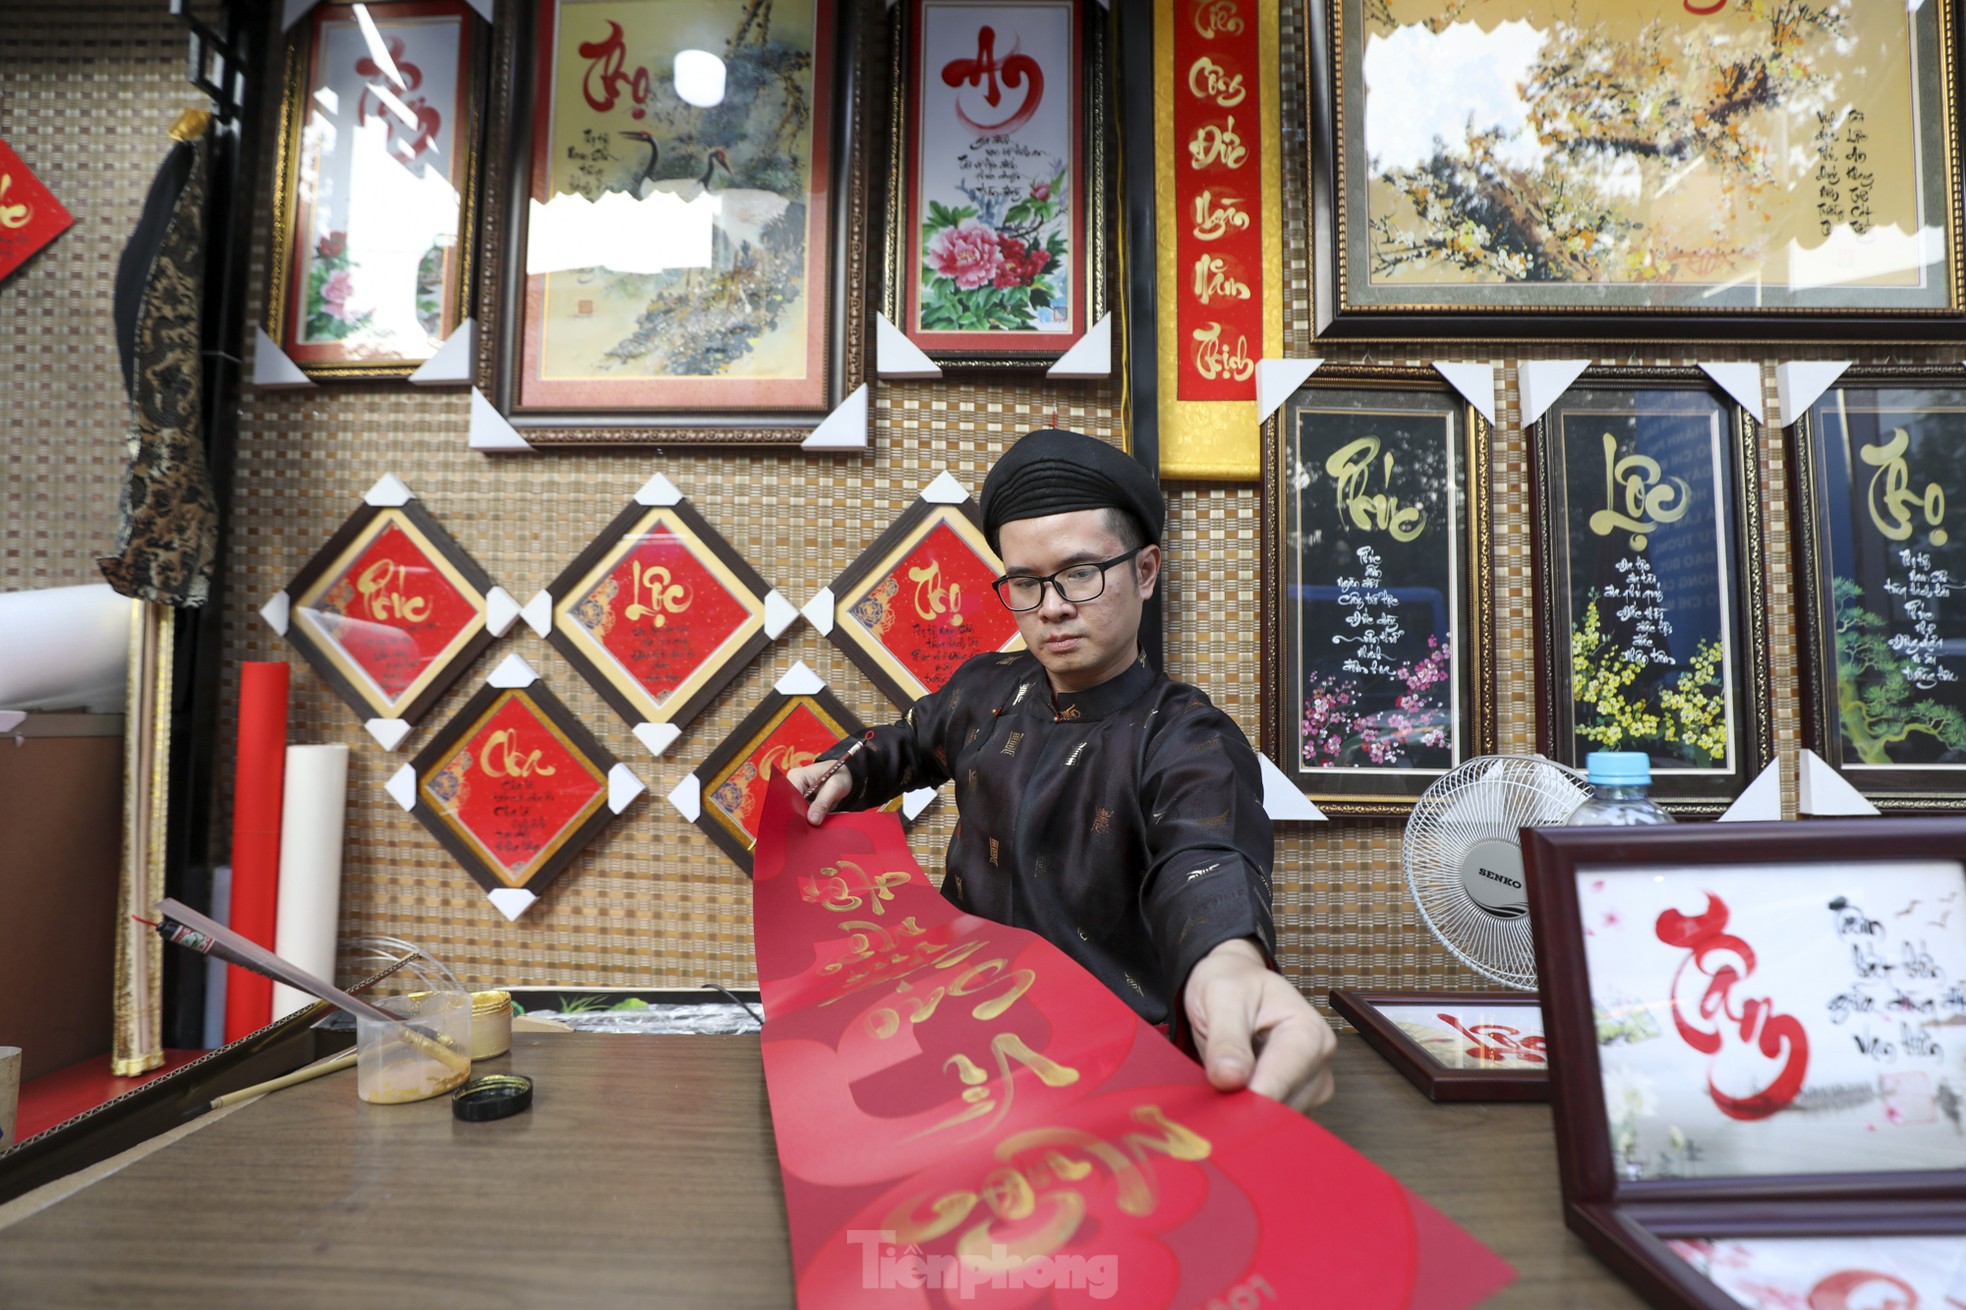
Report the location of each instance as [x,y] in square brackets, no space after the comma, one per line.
[796,720]
[390,611]
[1660,172]
[1375,494]
[1880,464]
[481,786]
[1725,941]
[917,603]
[744,322]
[1619,462]
[376,185]
[990,264]
[660,612]
[1484,1046]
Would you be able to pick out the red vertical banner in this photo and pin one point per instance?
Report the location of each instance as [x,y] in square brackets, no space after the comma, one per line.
[1218,189]
[259,786]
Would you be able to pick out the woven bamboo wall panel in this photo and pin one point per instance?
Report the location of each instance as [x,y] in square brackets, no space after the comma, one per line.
[88,92]
[652,902]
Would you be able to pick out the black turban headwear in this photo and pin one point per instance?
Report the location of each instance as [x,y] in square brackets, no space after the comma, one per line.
[1052,471]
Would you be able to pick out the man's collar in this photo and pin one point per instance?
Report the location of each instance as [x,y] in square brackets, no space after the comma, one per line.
[1109,697]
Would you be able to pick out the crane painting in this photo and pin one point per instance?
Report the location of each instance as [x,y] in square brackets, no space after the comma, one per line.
[678,232]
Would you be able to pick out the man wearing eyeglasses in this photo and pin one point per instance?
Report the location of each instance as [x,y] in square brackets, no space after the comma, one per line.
[1101,804]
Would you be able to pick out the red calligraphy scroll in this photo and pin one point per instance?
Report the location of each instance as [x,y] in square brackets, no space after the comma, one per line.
[966,1118]
[1218,190]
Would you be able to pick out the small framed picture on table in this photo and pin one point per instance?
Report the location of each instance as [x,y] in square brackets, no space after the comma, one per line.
[1759,1088]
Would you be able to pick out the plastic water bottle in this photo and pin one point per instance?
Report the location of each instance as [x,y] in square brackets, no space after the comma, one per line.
[1619,780]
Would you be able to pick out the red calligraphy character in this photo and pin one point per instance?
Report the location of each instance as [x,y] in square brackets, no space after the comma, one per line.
[1715,953]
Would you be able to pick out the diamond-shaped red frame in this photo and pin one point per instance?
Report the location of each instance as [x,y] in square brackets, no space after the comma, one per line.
[659,613]
[917,603]
[389,611]
[514,788]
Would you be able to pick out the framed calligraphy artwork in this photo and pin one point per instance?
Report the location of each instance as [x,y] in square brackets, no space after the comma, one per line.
[30,216]
[1601,168]
[1455,1046]
[514,787]
[389,612]
[796,720]
[1880,464]
[376,183]
[659,613]
[677,196]
[1651,598]
[1378,640]
[1218,206]
[998,179]
[918,602]
[1758,1026]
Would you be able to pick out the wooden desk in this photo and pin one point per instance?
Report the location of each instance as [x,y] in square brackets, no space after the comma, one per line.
[644,1176]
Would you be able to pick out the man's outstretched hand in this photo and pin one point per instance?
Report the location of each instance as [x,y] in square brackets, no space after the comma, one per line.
[831,793]
[1253,1029]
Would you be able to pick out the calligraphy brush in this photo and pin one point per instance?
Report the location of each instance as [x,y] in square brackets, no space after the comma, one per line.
[306,1073]
[184,926]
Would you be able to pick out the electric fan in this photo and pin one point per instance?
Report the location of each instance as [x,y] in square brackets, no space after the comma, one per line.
[1463,857]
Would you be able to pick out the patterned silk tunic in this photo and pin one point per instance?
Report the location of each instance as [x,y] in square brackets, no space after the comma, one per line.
[1124,824]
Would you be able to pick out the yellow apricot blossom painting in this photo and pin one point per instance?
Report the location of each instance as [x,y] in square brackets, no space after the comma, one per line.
[1749,154]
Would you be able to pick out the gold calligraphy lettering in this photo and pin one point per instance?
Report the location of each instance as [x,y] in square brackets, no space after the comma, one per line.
[1215,358]
[932,599]
[1212,280]
[1215,215]
[1208,79]
[383,587]
[1136,1188]
[666,596]
[1213,17]
[1214,143]
[13,216]
[1649,499]
[500,757]
[1352,465]
[976,1091]
[1892,500]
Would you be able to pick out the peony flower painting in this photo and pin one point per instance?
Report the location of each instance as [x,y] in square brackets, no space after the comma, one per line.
[995,183]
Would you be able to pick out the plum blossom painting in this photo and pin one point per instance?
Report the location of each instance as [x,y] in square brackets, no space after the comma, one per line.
[1379,611]
[1764,157]
[680,193]
[1000,200]
[378,160]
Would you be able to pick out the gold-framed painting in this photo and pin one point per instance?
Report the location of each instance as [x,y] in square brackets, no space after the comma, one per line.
[1603,167]
[676,221]
[376,185]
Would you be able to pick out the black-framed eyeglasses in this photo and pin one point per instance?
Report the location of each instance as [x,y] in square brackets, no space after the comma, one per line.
[1076,584]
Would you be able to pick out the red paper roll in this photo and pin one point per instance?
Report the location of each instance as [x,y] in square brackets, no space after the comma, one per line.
[259,784]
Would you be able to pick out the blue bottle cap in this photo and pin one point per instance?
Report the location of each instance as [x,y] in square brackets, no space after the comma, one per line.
[1619,768]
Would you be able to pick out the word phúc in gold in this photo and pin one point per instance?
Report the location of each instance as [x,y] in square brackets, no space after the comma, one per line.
[385,594]
[1352,466]
[1649,499]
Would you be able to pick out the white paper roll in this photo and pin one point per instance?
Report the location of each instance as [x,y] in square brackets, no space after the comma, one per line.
[65,648]
[312,820]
